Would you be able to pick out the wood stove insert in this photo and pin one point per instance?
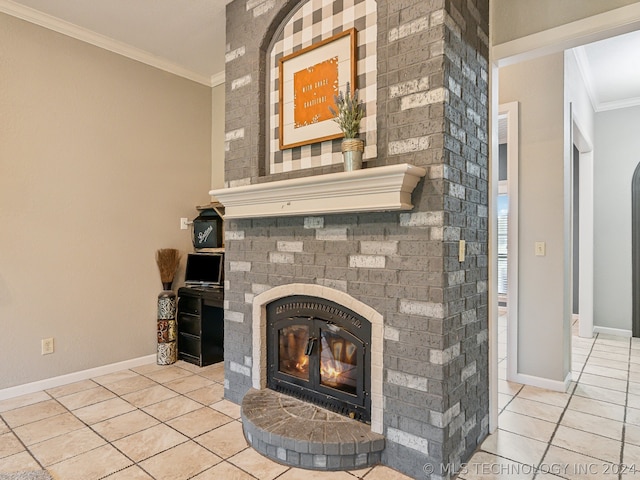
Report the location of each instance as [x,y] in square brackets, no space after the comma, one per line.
[319,351]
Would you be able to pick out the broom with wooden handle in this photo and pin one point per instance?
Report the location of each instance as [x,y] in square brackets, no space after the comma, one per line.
[168,260]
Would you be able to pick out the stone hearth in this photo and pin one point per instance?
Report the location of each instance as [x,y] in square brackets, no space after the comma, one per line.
[301,434]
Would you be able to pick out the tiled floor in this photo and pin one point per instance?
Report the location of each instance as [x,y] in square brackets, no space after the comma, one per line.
[152,422]
[590,432]
[172,423]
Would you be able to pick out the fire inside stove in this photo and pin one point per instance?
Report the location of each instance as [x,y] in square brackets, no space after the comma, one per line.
[319,351]
[338,356]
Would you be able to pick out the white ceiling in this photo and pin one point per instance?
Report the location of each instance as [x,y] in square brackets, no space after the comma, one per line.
[187,37]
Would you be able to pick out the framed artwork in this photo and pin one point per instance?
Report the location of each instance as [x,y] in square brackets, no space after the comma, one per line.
[309,79]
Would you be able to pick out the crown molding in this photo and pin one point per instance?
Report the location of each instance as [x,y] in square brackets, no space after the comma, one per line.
[626,103]
[79,33]
[217,79]
[584,68]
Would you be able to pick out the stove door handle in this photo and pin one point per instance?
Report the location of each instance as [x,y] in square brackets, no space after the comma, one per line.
[309,348]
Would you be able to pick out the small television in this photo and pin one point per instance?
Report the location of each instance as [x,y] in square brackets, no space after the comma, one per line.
[204,270]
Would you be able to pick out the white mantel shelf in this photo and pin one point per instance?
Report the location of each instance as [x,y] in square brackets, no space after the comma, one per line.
[375,189]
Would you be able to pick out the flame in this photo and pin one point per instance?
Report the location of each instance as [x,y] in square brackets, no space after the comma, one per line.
[303,361]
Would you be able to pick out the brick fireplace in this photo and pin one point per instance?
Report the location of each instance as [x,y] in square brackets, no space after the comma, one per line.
[422,68]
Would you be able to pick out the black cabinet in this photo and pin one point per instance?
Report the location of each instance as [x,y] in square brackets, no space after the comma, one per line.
[201,325]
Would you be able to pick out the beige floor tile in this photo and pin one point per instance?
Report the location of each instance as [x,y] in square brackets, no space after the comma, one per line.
[593,424]
[149,368]
[190,367]
[214,372]
[172,408]
[115,377]
[189,384]
[4,428]
[207,395]
[543,411]
[149,396]
[487,466]
[32,413]
[149,442]
[9,445]
[631,455]
[361,472]
[23,401]
[585,443]
[510,388]
[85,398]
[48,428]
[91,465]
[224,471]
[130,385]
[503,400]
[381,472]
[302,474]
[228,408]
[600,381]
[605,372]
[575,466]
[633,416]
[131,473]
[123,425]
[634,377]
[541,395]
[514,447]
[224,441]
[633,401]
[19,462]
[632,435]
[599,393]
[171,464]
[168,374]
[619,357]
[199,421]
[597,407]
[70,388]
[609,363]
[610,349]
[66,446]
[526,426]
[260,467]
[634,388]
[99,412]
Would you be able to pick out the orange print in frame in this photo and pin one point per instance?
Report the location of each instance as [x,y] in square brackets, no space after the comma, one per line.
[294,130]
[313,90]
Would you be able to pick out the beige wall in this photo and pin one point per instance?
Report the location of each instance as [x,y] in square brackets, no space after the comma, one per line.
[99,158]
[543,336]
[217,137]
[513,19]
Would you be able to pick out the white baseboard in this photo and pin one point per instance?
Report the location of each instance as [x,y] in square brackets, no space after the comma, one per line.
[47,383]
[618,332]
[540,382]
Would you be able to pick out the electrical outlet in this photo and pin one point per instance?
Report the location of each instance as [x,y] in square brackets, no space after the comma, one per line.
[47,346]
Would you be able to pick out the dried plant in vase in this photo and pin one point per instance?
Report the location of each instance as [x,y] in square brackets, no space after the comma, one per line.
[168,260]
[348,112]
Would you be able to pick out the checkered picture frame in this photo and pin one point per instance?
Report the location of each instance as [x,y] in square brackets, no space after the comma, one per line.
[313,22]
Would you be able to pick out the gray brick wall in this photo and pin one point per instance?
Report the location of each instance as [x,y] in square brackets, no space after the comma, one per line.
[432,90]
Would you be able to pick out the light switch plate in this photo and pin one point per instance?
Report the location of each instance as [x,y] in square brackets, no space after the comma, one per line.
[541,249]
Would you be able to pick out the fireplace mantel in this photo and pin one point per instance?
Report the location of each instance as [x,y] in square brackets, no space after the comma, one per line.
[368,190]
